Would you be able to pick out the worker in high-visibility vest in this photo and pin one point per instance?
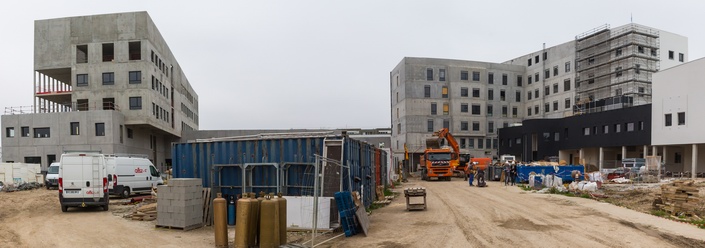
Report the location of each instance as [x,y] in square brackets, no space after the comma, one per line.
[470,172]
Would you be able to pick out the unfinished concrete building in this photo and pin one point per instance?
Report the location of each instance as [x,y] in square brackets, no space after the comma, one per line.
[104,83]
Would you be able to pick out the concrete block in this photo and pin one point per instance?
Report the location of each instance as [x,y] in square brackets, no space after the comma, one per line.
[163,189]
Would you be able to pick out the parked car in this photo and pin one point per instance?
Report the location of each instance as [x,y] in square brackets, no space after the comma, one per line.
[83,181]
[52,178]
[129,174]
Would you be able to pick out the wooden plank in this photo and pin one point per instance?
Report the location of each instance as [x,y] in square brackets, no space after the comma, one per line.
[362,219]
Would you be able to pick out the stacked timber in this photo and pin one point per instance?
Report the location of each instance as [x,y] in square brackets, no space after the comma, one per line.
[144,213]
[679,197]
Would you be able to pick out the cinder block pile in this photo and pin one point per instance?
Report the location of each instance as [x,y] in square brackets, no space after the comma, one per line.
[180,204]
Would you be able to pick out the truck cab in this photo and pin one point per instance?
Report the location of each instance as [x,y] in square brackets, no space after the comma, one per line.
[52,178]
[437,163]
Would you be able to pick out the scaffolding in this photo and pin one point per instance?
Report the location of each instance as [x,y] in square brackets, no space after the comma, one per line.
[614,67]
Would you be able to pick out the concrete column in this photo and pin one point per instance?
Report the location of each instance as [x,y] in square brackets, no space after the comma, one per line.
[663,157]
[654,151]
[602,157]
[581,154]
[694,166]
[624,152]
[646,151]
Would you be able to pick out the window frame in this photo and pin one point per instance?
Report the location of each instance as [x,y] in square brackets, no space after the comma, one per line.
[136,106]
[82,79]
[75,128]
[100,129]
[134,77]
[110,78]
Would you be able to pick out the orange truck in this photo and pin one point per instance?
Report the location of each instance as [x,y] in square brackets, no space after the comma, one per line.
[440,162]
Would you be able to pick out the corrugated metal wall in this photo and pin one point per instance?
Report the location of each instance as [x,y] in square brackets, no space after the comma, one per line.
[224,160]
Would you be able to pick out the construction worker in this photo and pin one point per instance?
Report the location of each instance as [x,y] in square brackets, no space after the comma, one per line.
[513,173]
[470,172]
[507,170]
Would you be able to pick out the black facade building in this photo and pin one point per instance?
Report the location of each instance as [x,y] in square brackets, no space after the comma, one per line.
[540,139]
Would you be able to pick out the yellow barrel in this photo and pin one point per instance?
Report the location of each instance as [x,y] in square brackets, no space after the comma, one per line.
[268,223]
[243,222]
[282,219]
[259,213]
[220,221]
[254,220]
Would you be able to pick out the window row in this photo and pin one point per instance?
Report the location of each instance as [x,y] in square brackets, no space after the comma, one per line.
[547,107]
[474,109]
[161,113]
[614,128]
[160,64]
[681,56]
[134,49]
[469,143]
[464,75]
[108,78]
[536,58]
[159,87]
[668,118]
[74,129]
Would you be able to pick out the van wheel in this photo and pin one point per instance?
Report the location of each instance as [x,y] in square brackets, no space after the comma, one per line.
[125,192]
[64,208]
[105,207]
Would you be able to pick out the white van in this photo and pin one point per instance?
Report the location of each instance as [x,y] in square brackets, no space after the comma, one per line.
[129,174]
[52,178]
[83,181]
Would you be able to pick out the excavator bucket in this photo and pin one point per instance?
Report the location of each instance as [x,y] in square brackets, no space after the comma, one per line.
[433,143]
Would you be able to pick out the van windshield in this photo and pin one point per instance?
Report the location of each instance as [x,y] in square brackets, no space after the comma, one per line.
[53,170]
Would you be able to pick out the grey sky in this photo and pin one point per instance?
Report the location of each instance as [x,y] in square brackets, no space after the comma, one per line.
[326,64]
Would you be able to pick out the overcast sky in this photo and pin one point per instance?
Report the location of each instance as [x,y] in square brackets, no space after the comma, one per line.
[326,64]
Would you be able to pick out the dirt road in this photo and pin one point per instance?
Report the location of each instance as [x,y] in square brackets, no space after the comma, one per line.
[498,216]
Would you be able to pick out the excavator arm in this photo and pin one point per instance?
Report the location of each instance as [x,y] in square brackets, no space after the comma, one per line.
[445,134]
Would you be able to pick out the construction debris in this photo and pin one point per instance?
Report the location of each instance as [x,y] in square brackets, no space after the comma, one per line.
[144,213]
[20,187]
[679,198]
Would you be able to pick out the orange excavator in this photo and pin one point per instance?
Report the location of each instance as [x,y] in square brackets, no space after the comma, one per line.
[440,162]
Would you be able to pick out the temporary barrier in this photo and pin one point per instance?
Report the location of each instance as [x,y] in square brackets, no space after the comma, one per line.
[562,171]
[285,165]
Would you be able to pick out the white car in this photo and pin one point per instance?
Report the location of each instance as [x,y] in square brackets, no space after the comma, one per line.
[52,179]
[131,174]
[83,181]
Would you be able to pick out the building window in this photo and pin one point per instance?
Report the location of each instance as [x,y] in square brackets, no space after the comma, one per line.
[475,126]
[555,105]
[555,88]
[637,68]
[489,110]
[566,85]
[476,109]
[42,132]
[640,90]
[519,78]
[528,111]
[677,158]
[669,119]
[108,52]
[488,145]
[24,131]
[641,126]
[10,132]
[546,108]
[135,102]
[442,74]
[518,141]
[504,111]
[536,77]
[640,49]
[475,92]
[546,91]
[464,125]
[536,109]
[567,66]
[618,52]
[517,96]
[490,78]
[490,94]
[617,128]
[464,92]
[462,143]
[530,79]
[81,79]
[464,75]
[606,129]
[429,74]
[528,95]
[108,78]
[446,109]
[427,91]
[515,112]
[135,50]
[681,57]
[681,118]
[100,129]
[545,55]
[433,108]
[546,74]
[490,127]
[75,128]
[670,54]
[81,54]
[536,59]
[475,76]
[567,103]
[109,103]
[529,61]
[502,95]
[618,71]
[556,137]
[446,124]
[555,71]
[444,92]
[135,77]
[586,131]
[591,61]
[464,107]
[471,142]
[630,126]
[504,79]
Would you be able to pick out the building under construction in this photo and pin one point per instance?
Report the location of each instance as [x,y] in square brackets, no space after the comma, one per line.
[614,67]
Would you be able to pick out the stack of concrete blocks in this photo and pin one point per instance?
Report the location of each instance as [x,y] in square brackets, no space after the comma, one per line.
[180,204]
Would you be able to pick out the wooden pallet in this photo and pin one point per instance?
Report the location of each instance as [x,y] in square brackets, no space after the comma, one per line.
[207,220]
[187,228]
[680,197]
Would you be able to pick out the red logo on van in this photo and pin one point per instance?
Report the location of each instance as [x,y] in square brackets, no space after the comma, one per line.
[90,192]
[140,170]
